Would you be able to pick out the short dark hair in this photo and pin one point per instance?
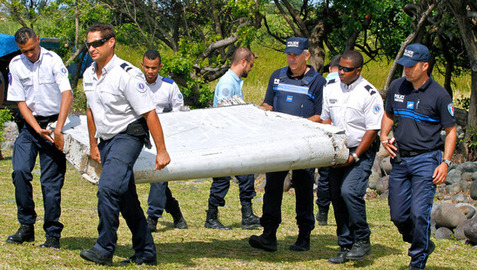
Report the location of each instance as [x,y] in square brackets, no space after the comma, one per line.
[241,53]
[24,34]
[106,29]
[152,54]
[355,57]
[335,60]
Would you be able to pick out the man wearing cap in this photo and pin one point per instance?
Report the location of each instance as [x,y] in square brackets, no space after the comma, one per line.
[354,105]
[297,90]
[422,108]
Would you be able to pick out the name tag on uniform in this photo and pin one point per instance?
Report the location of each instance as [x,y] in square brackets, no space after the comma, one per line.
[289,98]
[25,80]
[333,100]
[410,105]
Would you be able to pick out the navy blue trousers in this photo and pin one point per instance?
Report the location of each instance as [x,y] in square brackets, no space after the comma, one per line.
[160,199]
[53,166]
[323,194]
[117,194]
[272,199]
[348,187]
[220,186]
[411,193]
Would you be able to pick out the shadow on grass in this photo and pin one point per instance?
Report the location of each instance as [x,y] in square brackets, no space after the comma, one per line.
[188,253]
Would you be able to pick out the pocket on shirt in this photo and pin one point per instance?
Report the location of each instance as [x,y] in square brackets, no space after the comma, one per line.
[47,80]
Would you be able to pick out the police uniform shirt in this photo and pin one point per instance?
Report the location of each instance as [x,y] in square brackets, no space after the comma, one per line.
[229,85]
[117,98]
[421,114]
[356,108]
[166,95]
[315,91]
[39,84]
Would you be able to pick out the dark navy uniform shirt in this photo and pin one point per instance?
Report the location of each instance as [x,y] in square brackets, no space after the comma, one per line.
[421,114]
[301,97]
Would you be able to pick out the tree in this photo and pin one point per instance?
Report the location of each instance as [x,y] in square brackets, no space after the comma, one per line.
[26,12]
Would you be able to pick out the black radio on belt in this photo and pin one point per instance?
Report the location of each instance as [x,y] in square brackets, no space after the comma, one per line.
[139,128]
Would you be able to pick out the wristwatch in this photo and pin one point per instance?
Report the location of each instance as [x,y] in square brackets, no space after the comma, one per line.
[448,162]
[355,157]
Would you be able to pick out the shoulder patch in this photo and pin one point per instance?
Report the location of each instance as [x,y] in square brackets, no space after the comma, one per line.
[168,80]
[370,89]
[125,66]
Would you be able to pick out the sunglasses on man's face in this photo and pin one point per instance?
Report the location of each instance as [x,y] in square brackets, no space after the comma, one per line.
[346,69]
[97,43]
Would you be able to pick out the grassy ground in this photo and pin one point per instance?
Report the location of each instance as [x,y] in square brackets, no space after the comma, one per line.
[197,247]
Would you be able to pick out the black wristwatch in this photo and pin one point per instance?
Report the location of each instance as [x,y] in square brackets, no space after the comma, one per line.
[448,162]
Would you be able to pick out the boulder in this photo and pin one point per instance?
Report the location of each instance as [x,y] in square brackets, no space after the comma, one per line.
[435,205]
[468,209]
[473,190]
[386,165]
[443,233]
[468,166]
[383,184]
[454,188]
[467,176]
[459,233]
[453,176]
[459,198]
[465,185]
[470,230]
[447,215]
[373,179]
[474,176]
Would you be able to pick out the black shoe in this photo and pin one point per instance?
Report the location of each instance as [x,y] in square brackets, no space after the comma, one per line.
[26,233]
[94,255]
[322,218]
[249,220]
[429,250]
[302,243]
[180,224]
[138,261]
[151,223]
[212,221]
[51,242]
[262,242]
[360,249]
[341,257]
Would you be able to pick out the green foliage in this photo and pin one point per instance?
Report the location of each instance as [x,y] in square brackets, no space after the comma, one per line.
[5,115]
[472,140]
[464,103]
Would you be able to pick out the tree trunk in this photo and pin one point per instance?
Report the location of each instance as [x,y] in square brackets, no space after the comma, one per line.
[317,50]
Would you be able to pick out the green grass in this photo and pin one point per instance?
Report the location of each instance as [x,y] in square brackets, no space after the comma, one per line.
[197,247]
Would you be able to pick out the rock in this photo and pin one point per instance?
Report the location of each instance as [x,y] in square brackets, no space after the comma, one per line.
[453,176]
[459,231]
[468,209]
[435,205]
[433,227]
[287,183]
[447,215]
[386,165]
[454,188]
[473,190]
[470,230]
[465,186]
[474,176]
[384,196]
[373,179]
[443,233]
[459,198]
[467,176]
[468,166]
[383,184]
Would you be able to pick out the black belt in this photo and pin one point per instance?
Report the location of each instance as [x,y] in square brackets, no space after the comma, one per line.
[414,153]
[46,119]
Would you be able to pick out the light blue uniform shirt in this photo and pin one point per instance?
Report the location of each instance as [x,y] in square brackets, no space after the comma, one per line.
[333,75]
[229,85]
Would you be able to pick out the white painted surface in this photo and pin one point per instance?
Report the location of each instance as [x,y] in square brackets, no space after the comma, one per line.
[222,141]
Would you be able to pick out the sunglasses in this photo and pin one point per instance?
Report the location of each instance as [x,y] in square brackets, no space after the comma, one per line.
[346,69]
[97,43]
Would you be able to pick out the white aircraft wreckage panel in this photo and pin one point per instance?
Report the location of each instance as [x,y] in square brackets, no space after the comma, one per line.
[222,141]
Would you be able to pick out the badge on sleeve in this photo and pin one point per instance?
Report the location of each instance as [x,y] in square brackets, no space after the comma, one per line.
[63,70]
[141,88]
[450,108]
[9,78]
[376,109]
[179,96]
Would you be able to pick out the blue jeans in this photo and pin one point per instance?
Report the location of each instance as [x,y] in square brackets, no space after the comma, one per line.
[348,187]
[220,186]
[411,193]
[53,167]
[117,193]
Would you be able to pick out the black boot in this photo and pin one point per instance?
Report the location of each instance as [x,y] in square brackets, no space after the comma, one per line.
[341,257]
[151,223]
[322,217]
[302,242]
[179,221]
[212,221]
[267,241]
[249,220]
[360,249]
[51,242]
[26,233]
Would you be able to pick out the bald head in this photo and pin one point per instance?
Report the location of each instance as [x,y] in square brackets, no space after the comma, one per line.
[241,53]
